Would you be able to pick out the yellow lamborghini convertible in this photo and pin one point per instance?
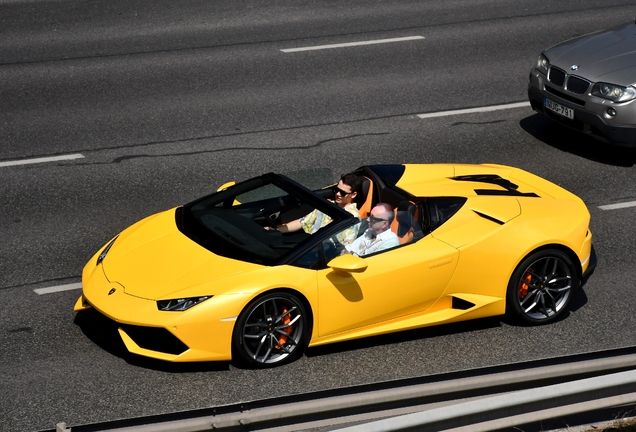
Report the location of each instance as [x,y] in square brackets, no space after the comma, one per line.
[211,280]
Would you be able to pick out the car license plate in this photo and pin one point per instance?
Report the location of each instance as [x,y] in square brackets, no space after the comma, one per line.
[558,108]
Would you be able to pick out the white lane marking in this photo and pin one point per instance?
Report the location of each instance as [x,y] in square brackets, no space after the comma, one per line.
[350,44]
[58,288]
[41,160]
[618,206]
[474,110]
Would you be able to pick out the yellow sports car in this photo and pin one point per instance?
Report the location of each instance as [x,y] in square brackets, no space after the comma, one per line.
[216,280]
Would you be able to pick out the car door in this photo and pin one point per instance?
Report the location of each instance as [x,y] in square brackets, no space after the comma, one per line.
[395,283]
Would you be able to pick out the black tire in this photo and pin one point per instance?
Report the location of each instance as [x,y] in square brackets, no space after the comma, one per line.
[272,330]
[541,287]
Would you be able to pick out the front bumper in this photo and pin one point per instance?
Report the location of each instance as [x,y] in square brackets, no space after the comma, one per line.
[590,268]
[198,334]
[589,112]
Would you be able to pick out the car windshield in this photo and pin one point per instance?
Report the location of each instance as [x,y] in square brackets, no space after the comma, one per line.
[240,222]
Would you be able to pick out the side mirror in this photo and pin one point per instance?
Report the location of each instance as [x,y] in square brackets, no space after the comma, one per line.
[225,186]
[348,264]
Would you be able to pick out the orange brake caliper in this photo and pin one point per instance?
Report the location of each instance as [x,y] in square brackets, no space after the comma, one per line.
[286,320]
[523,288]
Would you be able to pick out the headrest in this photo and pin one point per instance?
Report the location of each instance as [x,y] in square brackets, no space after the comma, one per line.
[405,215]
[363,192]
[364,197]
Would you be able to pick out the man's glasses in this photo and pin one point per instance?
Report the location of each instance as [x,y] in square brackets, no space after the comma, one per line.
[336,189]
[373,219]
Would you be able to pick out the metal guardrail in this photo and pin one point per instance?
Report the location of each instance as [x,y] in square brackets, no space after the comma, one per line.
[477,400]
[513,409]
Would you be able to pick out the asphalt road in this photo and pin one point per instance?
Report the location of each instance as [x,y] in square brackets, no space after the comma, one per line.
[167,100]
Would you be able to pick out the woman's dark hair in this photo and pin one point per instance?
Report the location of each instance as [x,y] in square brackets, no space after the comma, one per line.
[353,181]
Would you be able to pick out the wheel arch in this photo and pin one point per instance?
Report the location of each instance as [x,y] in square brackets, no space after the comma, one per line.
[240,348]
[563,248]
[512,310]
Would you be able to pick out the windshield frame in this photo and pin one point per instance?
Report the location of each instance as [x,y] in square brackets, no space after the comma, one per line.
[191,226]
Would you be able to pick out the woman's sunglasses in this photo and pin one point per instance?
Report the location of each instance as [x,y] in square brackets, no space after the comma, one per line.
[336,190]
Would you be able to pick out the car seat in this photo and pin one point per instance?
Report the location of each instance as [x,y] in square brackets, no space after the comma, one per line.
[364,197]
[406,223]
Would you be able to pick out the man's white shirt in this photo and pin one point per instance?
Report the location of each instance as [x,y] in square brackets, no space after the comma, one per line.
[365,245]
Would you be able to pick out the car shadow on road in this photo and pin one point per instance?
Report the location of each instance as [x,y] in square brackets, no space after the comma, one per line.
[578,300]
[576,143]
[103,333]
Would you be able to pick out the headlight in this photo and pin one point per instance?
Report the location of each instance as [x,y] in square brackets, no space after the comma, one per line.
[614,92]
[180,304]
[102,255]
[543,64]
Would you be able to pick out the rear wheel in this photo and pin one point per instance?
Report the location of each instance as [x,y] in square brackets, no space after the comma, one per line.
[270,331]
[541,287]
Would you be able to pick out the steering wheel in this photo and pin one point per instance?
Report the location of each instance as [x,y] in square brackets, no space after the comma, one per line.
[265,219]
[334,248]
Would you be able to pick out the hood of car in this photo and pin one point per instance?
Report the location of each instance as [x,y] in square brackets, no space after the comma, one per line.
[153,260]
[607,56]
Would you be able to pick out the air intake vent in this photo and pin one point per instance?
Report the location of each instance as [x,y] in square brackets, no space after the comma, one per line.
[487,178]
[461,304]
[510,187]
[490,218]
[565,96]
[155,339]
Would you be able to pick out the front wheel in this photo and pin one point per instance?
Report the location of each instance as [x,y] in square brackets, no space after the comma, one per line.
[541,287]
[270,331]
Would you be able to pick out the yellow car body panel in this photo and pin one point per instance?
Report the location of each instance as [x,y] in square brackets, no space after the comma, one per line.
[165,258]
[204,325]
[441,312]
[459,271]
[357,300]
